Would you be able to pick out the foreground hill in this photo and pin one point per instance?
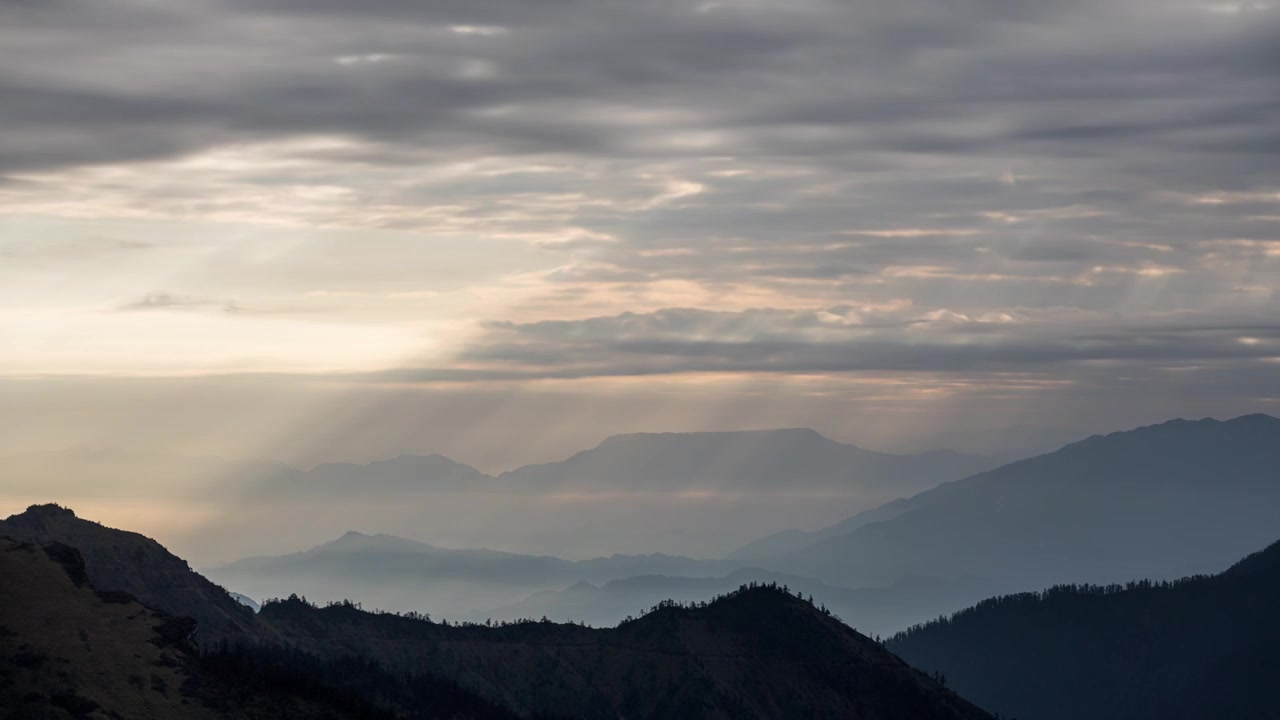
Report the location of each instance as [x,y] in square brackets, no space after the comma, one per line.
[1163,501]
[757,653]
[122,561]
[68,651]
[1196,649]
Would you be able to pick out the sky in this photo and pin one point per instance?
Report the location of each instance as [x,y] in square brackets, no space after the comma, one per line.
[502,230]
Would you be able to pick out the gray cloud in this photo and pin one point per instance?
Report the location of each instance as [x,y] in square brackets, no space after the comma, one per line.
[1059,345]
[1103,174]
[976,78]
[173,301]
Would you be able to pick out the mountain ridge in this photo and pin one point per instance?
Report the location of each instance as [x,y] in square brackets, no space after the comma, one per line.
[674,661]
[1198,647]
[756,652]
[733,458]
[753,456]
[1103,509]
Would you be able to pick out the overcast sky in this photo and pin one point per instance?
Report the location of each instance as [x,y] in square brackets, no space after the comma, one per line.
[503,229]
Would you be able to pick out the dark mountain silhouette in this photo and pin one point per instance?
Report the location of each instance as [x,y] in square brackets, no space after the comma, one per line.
[70,651]
[118,560]
[756,653]
[765,460]
[1195,649]
[1162,501]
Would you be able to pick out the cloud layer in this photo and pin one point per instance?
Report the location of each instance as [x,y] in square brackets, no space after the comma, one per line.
[1015,196]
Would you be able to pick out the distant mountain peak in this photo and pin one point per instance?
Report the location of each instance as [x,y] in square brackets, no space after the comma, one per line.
[356,540]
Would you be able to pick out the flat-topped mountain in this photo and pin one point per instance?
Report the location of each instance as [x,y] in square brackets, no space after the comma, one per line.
[1199,648]
[764,460]
[789,460]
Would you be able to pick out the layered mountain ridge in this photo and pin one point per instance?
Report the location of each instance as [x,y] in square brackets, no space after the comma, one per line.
[758,652]
[1145,502]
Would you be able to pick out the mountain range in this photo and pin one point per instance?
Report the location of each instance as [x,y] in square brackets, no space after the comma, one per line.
[756,652]
[1193,649]
[1146,502]
[791,460]
[1176,500]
